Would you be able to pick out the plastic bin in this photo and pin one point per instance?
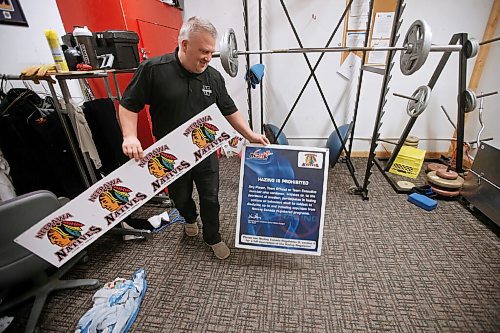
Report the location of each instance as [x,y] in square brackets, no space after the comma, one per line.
[122,44]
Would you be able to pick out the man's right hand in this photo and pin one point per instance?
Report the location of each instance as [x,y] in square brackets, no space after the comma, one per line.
[132,147]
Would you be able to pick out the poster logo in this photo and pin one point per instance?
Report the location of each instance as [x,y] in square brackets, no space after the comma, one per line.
[260,155]
[310,160]
[159,161]
[207,91]
[162,165]
[6,5]
[66,233]
[204,136]
[116,198]
[235,141]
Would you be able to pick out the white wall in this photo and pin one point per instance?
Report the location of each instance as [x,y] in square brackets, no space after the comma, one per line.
[314,21]
[491,111]
[26,46]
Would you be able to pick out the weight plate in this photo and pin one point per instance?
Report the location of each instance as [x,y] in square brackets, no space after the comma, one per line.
[471,48]
[418,41]
[412,139]
[435,166]
[445,192]
[447,174]
[446,183]
[470,100]
[229,52]
[423,94]
[405,185]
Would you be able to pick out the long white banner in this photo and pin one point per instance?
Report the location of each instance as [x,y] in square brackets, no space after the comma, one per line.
[67,231]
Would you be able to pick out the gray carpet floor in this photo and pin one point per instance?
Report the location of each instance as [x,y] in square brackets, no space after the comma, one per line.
[386,265]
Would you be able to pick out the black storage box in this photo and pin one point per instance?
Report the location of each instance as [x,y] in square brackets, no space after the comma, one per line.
[122,44]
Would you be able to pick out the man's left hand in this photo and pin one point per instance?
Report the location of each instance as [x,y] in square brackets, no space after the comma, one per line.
[259,138]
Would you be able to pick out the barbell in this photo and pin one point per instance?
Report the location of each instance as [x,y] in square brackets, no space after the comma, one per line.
[416,47]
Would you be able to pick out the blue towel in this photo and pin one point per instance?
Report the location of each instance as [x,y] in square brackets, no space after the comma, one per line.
[255,74]
[115,306]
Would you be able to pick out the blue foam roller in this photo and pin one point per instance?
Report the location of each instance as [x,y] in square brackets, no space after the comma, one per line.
[422,201]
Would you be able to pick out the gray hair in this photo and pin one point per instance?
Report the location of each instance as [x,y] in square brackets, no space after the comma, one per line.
[196,24]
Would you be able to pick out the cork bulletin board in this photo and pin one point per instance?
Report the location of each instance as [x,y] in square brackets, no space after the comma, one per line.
[355,28]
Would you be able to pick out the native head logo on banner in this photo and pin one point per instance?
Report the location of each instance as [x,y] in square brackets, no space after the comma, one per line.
[66,234]
[115,198]
[162,165]
[233,146]
[204,136]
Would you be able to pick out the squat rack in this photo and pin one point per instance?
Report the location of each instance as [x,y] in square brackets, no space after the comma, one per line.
[312,75]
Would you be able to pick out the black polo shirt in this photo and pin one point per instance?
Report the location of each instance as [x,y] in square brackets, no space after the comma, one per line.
[174,94]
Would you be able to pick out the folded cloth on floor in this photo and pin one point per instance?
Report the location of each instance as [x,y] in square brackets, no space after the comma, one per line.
[115,306]
[174,217]
[255,74]
[165,219]
[156,220]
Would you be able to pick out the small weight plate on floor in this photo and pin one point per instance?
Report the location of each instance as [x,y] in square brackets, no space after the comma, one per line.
[435,166]
[447,174]
[423,95]
[445,192]
[405,185]
[228,52]
[446,183]
[411,144]
[418,41]
[412,139]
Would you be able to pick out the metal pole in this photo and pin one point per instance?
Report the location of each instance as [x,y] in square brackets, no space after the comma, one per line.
[247,58]
[436,48]
[462,86]
[407,97]
[382,100]
[118,94]
[72,145]
[487,94]
[360,80]
[260,61]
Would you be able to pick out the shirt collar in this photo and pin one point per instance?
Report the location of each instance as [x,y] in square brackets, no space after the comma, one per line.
[184,72]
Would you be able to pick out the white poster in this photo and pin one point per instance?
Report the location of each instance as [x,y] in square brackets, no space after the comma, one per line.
[355,39]
[67,231]
[349,66]
[378,57]
[382,27]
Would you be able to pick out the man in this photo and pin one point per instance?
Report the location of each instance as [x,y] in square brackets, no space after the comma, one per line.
[178,86]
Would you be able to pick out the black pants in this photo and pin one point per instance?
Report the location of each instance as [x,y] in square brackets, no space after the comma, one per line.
[206,177]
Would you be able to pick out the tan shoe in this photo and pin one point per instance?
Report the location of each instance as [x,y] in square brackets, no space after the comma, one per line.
[191,229]
[221,250]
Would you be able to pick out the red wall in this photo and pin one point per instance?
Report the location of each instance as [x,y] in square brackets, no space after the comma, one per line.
[160,25]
